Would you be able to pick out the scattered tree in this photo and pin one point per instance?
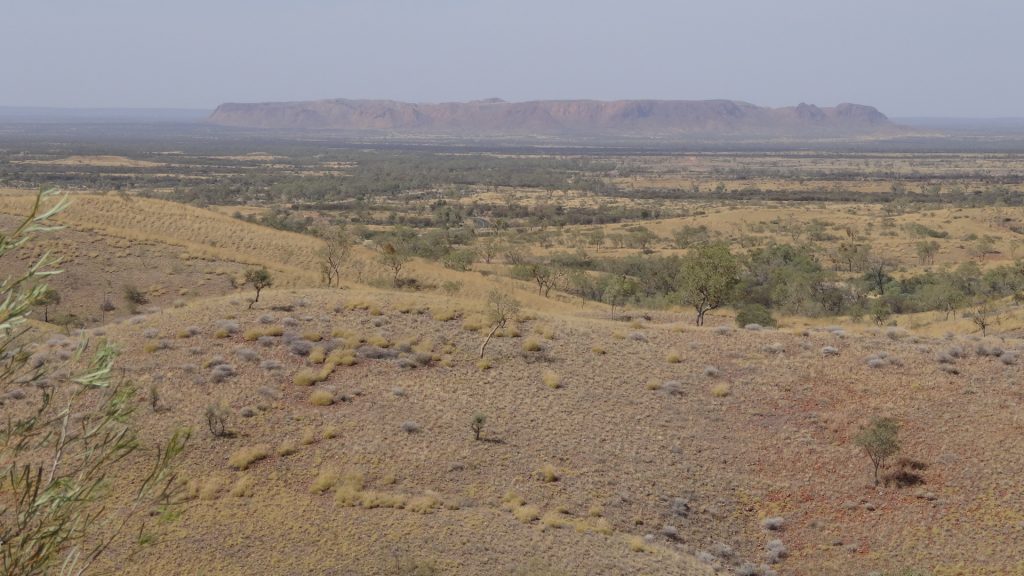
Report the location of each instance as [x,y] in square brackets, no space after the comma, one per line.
[984,317]
[394,258]
[709,274]
[477,425]
[48,297]
[880,441]
[335,252]
[926,251]
[260,278]
[501,308]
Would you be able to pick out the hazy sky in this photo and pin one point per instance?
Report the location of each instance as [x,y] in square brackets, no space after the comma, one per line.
[908,58]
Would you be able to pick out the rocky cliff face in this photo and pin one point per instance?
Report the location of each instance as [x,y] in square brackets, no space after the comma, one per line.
[559,117]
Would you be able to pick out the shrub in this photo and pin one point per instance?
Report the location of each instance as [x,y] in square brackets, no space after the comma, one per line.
[755,314]
[876,362]
[222,372]
[301,347]
[711,372]
[410,427]
[245,457]
[270,365]
[135,296]
[773,523]
[217,420]
[776,551]
[829,351]
[321,398]
[228,326]
[247,354]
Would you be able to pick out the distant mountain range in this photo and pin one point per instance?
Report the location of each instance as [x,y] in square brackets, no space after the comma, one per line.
[624,118]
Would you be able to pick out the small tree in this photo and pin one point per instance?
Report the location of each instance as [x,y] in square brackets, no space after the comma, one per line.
[477,425]
[48,297]
[335,252]
[926,251]
[880,441]
[260,278]
[501,308]
[709,275]
[394,258]
[984,317]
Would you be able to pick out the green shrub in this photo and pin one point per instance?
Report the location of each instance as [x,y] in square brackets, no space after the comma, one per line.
[755,314]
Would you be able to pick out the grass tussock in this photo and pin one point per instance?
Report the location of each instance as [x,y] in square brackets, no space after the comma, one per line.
[245,457]
[308,377]
[721,390]
[351,492]
[552,379]
[243,487]
[443,314]
[549,473]
[287,448]
[638,544]
[532,345]
[211,489]
[321,398]
[318,355]
[324,481]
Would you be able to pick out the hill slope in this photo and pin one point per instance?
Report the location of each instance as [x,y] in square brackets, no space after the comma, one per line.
[561,117]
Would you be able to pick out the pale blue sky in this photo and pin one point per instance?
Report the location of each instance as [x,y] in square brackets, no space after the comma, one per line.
[908,58]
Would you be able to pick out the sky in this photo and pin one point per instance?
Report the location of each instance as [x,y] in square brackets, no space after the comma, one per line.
[907,58]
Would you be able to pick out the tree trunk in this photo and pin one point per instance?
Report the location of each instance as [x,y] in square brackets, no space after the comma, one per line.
[488,339]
